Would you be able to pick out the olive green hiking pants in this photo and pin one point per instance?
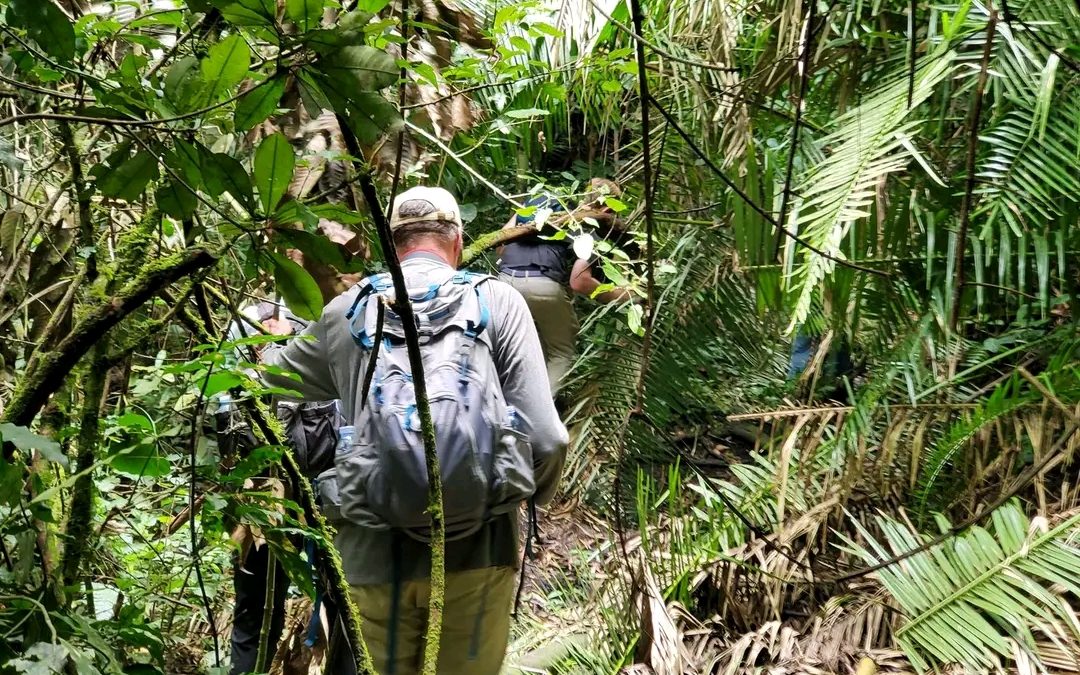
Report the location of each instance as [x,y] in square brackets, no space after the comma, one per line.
[475,630]
[552,310]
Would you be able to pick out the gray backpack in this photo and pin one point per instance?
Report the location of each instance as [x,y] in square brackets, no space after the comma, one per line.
[482,443]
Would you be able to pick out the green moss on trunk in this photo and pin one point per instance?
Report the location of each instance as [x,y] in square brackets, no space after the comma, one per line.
[78,533]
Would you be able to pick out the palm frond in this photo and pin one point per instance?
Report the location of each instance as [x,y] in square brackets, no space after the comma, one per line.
[836,193]
[1023,148]
[985,595]
[1006,399]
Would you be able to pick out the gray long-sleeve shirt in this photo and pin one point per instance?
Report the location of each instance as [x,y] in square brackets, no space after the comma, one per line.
[332,366]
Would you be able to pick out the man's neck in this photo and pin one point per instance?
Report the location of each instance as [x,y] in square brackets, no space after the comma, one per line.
[426,252]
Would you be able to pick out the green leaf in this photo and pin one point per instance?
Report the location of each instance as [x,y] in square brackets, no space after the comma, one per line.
[295,566]
[11,481]
[297,288]
[221,381]
[371,116]
[176,200]
[222,173]
[255,461]
[337,213]
[142,459]
[312,245]
[11,228]
[293,211]
[306,14]
[526,113]
[349,30]
[616,205]
[258,104]
[314,98]
[357,68]
[46,24]
[225,66]
[546,29]
[274,163]
[24,439]
[185,159]
[373,6]
[633,318]
[247,12]
[128,179]
[135,421]
[426,71]
[182,82]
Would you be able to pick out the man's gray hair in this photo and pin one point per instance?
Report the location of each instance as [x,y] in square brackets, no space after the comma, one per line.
[416,208]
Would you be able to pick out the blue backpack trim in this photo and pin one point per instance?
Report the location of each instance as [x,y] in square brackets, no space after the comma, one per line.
[382,282]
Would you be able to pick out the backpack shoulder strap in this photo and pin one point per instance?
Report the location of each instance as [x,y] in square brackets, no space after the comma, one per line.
[376,283]
[473,329]
[475,280]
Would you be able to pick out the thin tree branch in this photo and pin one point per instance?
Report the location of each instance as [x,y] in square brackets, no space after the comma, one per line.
[42,90]
[106,121]
[204,25]
[403,306]
[800,98]
[1009,17]
[465,165]
[268,431]
[912,43]
[492,240]
[969,180]
[492,85]
[433,630]
[695,209]
[196,558]
[402,80]
[650,224]
[270,590]
[82,198]
[46,371]
[636,35]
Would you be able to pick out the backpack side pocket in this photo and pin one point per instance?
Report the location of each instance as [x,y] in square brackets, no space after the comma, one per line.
[513,479]
[361,484]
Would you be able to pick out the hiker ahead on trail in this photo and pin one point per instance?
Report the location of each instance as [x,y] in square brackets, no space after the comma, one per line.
[500,441]
[544,270]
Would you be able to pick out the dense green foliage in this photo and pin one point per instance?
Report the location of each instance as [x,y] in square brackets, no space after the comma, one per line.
[897,179]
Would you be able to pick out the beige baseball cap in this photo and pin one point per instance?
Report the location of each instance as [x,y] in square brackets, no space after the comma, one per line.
[441,205]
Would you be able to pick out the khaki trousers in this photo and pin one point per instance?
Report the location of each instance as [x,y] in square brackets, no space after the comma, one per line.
[475,630]
[553,312]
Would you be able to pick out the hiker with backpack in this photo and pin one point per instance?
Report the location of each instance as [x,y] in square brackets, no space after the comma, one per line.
[499,440]
[311,431]
[546,271]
